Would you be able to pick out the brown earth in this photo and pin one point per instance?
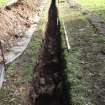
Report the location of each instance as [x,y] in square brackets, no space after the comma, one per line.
[15,19]
[49,80]
[49,83]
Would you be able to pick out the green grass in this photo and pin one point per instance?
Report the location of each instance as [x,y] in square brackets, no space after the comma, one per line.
[78,89]
[3,2]
[85,46]
[94,5]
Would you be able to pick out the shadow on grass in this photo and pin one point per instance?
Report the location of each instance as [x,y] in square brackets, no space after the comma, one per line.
[88,50]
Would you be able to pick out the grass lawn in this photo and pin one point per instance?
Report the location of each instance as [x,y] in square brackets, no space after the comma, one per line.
[83,65]
[94,5]
[2,2]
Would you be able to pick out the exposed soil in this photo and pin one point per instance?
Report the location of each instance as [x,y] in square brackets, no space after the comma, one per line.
[49,85]
[49,81]
[15,19]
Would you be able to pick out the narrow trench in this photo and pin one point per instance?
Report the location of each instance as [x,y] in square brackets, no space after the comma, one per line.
[49,84]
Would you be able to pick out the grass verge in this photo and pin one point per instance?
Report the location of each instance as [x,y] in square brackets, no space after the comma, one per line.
[85,60]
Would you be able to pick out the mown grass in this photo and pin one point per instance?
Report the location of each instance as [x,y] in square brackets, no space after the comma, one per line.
[82,57]
[94,5]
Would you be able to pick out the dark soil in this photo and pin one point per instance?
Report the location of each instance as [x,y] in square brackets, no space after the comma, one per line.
[49,85]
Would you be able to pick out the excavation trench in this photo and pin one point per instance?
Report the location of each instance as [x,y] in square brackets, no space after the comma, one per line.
[49,84]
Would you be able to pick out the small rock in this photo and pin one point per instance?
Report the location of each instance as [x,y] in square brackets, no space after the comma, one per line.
[42,81]
[7,8]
